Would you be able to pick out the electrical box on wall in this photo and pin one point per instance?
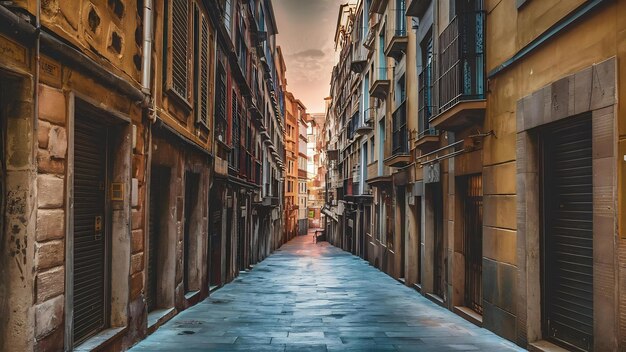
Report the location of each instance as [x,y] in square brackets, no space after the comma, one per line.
[117,191]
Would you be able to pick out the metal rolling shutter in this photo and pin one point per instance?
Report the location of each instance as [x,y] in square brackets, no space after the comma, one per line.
[568,252]
[90,244]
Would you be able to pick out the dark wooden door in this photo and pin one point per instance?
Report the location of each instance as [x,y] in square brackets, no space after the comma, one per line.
[473,241]
[568,233]
[159,183]
[91,239]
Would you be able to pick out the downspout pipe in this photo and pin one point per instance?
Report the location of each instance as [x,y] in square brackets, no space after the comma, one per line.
[146,67]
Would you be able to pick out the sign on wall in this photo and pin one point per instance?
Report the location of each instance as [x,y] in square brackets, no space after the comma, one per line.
[432,173]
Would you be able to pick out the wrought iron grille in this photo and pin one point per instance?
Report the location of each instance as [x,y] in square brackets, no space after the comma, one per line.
[462,60]
[425,99]
[400,136]
[472,242]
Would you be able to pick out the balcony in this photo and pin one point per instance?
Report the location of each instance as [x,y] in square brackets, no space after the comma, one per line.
[400,155]
[461,86]
[364,128]
[380,87]
[417,8]
[377,174]
[428,137]
[359,60]
[398,39]
[378,6]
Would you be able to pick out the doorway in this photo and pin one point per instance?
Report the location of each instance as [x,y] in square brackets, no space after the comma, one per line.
[192,185]
[472,189]
[159,189]
[91,236]
[567,251]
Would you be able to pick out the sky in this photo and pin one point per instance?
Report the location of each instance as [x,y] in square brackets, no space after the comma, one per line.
[306,31]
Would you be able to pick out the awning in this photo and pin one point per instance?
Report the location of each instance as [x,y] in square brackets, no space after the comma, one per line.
[330,214]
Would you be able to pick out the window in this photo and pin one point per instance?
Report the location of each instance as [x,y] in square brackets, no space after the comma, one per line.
[227,15]
[221,122]
[202,40]
[175,43]
[235,132]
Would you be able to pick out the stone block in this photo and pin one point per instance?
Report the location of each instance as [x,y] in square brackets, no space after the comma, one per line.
[507,288]
[499,179]
[138,167]
[43,131]
[603,175]
[136,285]
[137,241]
[582,91]
[603,127]
[50,191]
[52,105]
[497,320]
[559,99]
[52,342]
[136,219]
[490,279]
[500,245]
[58,142]
[500,211]
[50,283]
[603,80]
[49,254]
[136,263]
[45,164]
[49,316]
[50,224]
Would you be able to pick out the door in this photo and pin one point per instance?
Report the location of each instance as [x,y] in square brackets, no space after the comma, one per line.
[191,194]
[90,232]
[439,269]
[159,181]
[473,242]
[400,203]
[241,243]
[568,233]
[215,243]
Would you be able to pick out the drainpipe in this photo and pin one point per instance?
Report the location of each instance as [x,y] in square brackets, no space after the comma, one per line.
[146,66]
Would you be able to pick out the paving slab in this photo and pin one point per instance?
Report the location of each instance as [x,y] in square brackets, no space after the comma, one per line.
[316,297]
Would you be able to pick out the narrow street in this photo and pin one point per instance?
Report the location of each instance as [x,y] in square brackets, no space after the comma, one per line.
[316,297]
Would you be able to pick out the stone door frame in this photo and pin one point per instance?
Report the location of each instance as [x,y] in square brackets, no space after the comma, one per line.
[591,90]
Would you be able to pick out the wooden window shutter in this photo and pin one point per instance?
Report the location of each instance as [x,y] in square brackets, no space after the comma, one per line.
[178,58]
[202,105]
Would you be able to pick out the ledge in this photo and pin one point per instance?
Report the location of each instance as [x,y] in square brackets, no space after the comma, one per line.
[469,315]
[159,317]
[461,115]
[545,346]
[100,340]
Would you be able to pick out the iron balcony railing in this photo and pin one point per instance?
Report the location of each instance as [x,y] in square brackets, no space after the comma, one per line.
[425,99]
[462,60]
[400,134]
[400,14]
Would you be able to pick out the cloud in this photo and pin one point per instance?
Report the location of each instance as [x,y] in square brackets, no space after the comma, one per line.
[310,53]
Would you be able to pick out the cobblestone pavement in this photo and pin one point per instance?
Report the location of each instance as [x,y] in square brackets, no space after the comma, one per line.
[315,297]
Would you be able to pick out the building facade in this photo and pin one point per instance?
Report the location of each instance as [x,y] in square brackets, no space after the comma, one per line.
[143,163]
[316,171]
[293,108]
[494,158]
[302,170]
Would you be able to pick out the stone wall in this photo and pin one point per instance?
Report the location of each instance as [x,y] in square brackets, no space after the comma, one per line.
[50,243]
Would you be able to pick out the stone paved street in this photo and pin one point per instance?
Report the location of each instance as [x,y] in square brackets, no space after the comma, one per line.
[315,297]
